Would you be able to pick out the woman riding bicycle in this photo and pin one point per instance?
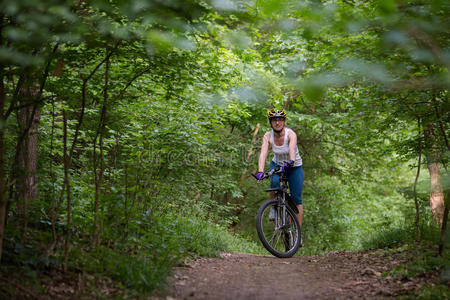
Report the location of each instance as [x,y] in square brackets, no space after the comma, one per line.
[283,142]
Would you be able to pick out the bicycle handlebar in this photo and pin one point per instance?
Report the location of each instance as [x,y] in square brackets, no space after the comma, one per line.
[270,173]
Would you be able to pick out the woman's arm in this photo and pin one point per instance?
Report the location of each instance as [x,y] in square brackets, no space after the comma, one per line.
[264,151]
[292,144]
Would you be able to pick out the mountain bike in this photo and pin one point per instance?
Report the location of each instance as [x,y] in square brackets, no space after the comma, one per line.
[276,220]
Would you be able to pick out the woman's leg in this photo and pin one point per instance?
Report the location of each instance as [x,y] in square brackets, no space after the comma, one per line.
[300,214]
[295,177]
[274,179]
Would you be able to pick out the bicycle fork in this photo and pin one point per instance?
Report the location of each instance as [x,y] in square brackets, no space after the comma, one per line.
[281,212]
[285,228]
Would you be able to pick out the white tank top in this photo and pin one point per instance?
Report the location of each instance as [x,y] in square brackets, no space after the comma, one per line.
[281,153]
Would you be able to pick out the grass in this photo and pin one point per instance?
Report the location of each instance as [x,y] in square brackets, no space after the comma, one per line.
[129,268]
[440,292]
[423,262]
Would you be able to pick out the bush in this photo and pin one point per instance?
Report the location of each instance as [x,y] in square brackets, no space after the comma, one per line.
[145,260]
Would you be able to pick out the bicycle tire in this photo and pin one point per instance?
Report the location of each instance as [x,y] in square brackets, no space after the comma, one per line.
[267,232]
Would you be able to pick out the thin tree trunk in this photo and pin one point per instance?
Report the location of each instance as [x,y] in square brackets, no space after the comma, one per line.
[3,199]
[67,185]
[102,133]
[249,153]
[127,216]
[419,162]
[96,195]
[98,174]
[237,201]
[77,130]
[52,176]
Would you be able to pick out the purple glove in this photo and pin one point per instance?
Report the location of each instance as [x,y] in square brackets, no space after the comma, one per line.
[259,176]
[287,164]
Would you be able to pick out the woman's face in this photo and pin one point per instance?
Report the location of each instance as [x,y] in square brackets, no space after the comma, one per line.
[277,123]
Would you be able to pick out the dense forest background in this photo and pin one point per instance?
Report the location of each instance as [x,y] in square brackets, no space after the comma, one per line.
[129,129]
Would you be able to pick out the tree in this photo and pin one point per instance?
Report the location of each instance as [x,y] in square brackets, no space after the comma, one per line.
[32,36]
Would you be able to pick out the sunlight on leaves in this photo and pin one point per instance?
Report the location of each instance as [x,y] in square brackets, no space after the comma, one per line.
[226,5]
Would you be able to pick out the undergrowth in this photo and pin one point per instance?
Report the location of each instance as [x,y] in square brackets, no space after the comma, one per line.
[139,264]
[422,261]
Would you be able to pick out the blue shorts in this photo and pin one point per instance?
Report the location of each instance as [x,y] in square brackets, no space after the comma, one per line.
[295,179]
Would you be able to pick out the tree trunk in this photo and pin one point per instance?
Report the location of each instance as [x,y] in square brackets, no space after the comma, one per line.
[249,153]
[3,199]
[416,201]
[27,146]
[28,93]
[68,156]
[98,174]
[67,185]
[442,239]
[436,191]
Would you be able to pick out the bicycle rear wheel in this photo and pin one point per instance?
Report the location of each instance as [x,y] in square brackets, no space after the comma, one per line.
[281,241]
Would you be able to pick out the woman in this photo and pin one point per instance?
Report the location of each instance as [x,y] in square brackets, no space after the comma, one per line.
[283,142]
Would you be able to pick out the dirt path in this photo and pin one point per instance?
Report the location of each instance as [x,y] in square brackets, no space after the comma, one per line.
[337,275]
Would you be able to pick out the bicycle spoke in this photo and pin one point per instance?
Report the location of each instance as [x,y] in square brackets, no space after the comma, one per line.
[278,235]
[282,241]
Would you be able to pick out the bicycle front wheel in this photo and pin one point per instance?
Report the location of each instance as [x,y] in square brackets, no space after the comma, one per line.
[280,240]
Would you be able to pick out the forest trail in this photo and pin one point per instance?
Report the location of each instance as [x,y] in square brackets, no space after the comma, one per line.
[336,275]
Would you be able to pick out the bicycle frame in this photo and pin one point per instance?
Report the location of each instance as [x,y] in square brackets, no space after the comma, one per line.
[280,194]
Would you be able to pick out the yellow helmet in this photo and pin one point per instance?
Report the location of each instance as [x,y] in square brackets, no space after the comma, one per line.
[276,114]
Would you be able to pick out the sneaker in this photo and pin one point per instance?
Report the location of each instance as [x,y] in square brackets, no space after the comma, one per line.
[272,213]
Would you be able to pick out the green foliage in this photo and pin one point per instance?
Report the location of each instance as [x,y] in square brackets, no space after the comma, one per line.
[143,261]
[431,292]
[135,272]
[28,255]
[339,220]
[423,261]
[170,93]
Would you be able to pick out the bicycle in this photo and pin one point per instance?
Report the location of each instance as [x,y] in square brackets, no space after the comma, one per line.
[276,220]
